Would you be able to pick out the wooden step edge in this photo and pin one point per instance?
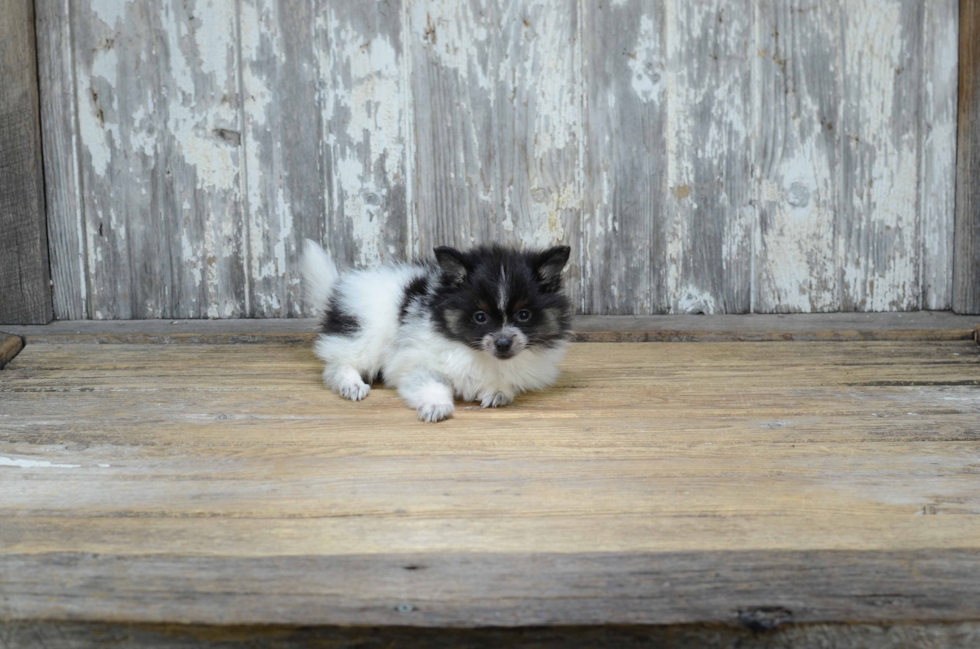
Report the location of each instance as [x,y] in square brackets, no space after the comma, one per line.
[915,326]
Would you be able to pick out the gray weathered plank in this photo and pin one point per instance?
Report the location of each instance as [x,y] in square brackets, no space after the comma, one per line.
[798,96]
[623,245]
[25,291]
[66,224]
[497,117]
[878,226]
[158,114]
[918,325]
[495,589]
[937,166]
[363,104]
[966,275]
[711,202]
[281,137]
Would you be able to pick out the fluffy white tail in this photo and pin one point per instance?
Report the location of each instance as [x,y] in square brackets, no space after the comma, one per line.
[319,273]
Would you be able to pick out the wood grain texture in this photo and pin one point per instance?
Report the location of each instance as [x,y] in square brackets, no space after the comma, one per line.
[698,157]
[798,93]
[878,222]
[711,204]
[918,326]
[966,274]
[497,119]
[363,101]
[25,290]
[937,196]
[500,590]
[656,484]
[79,635]
[623,245]
[158,109]
[281,137]
[66,223]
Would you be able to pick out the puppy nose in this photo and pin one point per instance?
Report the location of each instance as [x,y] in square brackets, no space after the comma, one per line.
[503,344]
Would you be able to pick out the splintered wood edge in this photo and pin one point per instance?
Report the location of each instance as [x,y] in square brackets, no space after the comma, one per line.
[753,588]
[10,346]
[913,326]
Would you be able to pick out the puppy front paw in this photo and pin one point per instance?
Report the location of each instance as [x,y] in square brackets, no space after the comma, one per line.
[354,390]
[432,412]
[495,400]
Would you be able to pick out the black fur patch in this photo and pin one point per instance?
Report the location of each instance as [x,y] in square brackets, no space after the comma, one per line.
[337,322]
[480,279]
[416,289]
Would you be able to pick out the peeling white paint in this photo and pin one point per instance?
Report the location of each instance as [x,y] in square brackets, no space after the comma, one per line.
[882,272]
[648,81]
[111,11]
[365,75]
[191,126]
[514,76]
[693,300]
[454,32]
[697,152]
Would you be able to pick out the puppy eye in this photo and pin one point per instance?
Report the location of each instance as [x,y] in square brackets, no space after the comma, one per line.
[523,315]
[480,317]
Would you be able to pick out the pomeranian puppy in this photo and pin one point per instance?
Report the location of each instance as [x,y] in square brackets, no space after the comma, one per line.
[483,325]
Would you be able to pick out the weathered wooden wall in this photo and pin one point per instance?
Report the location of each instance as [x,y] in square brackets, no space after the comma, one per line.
[699,156]
[25,288]
[966,276]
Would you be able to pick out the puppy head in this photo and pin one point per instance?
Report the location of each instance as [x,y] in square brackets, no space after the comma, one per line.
[502,301]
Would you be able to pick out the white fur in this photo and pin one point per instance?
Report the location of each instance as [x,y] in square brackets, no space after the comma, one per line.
[320,273]
[427,368]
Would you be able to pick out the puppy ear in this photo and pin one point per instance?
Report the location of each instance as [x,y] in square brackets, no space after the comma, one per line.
[451,262]
[549,264]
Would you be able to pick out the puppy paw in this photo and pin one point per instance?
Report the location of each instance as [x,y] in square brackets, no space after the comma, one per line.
[354,390]
[432,412]
[495,400]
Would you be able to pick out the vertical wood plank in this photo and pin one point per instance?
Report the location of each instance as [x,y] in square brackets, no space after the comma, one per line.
[363,99]
[25,291]
[798,95]
[158,112]
[497,115]
[711,199]
[966,274]
[623,247]
[937,167]
[878,226]
[282,135]
[66,239]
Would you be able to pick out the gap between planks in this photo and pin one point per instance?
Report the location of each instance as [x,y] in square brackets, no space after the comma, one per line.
[920,325]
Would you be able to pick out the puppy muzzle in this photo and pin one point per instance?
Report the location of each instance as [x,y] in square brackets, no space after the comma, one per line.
[506,343]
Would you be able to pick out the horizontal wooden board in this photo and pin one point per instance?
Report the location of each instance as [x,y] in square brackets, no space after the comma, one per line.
[655,484]
[922,325]
[496,589]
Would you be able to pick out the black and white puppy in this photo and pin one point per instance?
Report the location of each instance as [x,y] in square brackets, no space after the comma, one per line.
[483,325]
